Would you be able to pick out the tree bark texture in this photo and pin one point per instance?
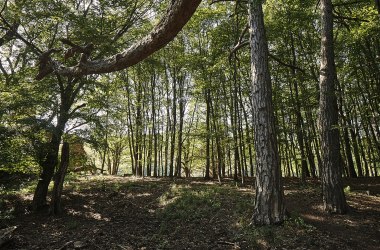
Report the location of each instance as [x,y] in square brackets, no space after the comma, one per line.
[55,206]
[269,203]
[334,200]
[48,167]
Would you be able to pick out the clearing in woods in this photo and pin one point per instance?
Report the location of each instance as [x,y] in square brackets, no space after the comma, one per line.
[131,213]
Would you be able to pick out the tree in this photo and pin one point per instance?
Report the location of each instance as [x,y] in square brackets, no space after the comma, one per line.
[334,200]
[177,15]
[269,205]
[55,206]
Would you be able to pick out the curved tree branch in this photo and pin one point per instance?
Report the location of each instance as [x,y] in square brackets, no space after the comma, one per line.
[178,14]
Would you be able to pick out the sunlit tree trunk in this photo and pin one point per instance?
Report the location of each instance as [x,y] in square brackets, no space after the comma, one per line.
[269,203]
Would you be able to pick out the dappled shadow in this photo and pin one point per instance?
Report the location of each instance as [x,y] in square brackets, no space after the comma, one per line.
[104,217]
[359,229]
[163,213]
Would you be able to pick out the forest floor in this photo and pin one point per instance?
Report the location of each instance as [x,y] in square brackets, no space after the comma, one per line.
[131,213]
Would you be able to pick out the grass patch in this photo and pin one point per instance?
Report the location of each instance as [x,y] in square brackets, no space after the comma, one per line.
[184,203]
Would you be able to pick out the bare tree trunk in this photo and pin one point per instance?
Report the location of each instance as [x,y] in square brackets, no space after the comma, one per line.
[299,119]
[174,126]
[55,206]
[48,166]
[334,200]
[181,84]
[155,144]
[67,95]
[208,131]
[269,203]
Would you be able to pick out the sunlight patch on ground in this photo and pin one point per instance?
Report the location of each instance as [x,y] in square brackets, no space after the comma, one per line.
[175,191]
[142,195]
[211,183]
[96,216]
[312,217]
[89,215]
[246,190]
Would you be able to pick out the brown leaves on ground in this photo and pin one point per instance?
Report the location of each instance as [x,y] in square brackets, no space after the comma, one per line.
[130,213]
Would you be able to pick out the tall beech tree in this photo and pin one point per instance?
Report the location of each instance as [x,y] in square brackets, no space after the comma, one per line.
[334,200]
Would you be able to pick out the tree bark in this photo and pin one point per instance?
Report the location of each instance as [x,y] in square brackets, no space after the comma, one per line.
[55,206]
[50,162]
[155,136]
[48,166]
[269,203]
[208,133]
[174,126]
[181,86]
[334,200]
[299,119]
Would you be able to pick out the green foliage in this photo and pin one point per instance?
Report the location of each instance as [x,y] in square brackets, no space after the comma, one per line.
[183,203]
[16,153]
[104,107]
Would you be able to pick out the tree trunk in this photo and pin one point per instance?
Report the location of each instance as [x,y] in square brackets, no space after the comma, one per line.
[48,167]
[356,151]
[55,206]
[155,145]
[269,203]
[334,200]
[181,84]
[174,126]
[208,133]
[299,119]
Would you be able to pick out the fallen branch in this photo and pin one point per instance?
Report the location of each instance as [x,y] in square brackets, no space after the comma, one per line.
[236,245]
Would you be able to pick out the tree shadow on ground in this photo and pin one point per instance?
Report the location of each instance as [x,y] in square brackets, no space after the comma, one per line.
[130,213]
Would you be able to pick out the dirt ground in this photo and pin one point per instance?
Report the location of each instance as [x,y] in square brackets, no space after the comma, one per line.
[130,213]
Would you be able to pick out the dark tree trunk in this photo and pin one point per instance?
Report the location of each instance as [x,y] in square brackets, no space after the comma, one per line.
[234,122]
[174,127]
[48,167]
[299,119]
[139,134]
[350,160]
[269,203]
[208,131]
[181,107]
[155,142]
[356,152]
[167,130]
[55,206]
[131,135]
[334,200]
[51,160]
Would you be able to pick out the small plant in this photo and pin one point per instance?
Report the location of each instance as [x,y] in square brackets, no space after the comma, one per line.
[7,214]
[296,221]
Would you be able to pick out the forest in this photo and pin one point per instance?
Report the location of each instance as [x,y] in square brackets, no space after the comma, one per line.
[189,124]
